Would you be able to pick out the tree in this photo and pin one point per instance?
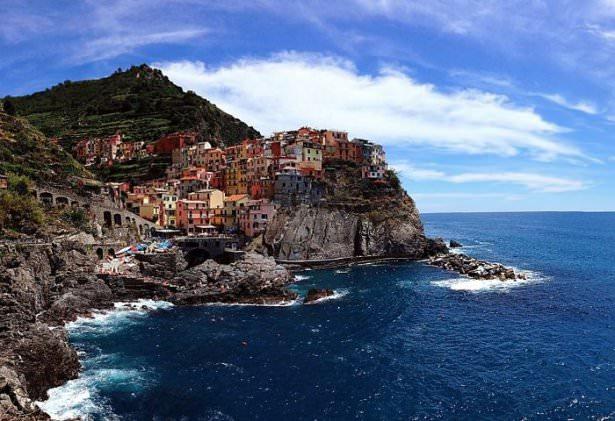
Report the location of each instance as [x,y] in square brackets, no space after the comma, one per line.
[9,107]
[19,184]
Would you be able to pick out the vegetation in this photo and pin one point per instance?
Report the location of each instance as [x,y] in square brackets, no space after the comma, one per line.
[76,218]
[140,102]
[19,210]
[26,151]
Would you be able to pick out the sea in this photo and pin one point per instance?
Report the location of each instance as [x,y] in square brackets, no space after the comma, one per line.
[397,340]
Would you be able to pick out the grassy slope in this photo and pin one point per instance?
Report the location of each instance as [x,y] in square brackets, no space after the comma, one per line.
[26,151]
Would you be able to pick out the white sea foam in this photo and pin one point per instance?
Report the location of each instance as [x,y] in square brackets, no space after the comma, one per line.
[346,270]
[80,397]
[492,285]
[122,314]
[300,278]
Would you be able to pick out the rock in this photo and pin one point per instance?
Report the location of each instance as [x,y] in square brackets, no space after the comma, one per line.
[252,279]
[473,268]
[314,295]
[309,233]
[454,244]
[161,265]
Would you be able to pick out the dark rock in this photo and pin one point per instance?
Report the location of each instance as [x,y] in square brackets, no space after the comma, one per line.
[253,279]
[474,268]
[454,244]
[314,295]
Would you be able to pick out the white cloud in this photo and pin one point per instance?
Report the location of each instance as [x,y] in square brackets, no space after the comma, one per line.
[582,106]
[122,43]
[531,181]
[291,89]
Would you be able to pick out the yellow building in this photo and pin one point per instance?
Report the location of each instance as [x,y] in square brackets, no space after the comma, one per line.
[169,202]
[215,203]
[232,205]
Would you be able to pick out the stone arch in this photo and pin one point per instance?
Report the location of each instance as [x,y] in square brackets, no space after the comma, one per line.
[75,204]
[62,201]
[46,198]
[108,219]
[196,256]
[117,219]
[100,253]
[111,252]
[128,221]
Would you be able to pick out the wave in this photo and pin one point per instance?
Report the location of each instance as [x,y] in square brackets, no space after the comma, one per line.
[300,278]
[492,285]
[81,397]
[122,314]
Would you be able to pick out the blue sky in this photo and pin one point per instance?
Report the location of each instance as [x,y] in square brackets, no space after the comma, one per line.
[487,105]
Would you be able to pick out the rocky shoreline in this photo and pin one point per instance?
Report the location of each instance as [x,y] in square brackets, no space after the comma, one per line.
[474,268]
[44,286]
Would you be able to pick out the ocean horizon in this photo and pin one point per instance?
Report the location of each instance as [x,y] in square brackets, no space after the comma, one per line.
[397,341]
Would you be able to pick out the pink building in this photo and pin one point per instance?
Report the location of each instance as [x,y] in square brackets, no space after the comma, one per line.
[255,216]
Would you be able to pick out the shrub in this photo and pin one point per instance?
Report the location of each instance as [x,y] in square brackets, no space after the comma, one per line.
[77,218]
[19,212]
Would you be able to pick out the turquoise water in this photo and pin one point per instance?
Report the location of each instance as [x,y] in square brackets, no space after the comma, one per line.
[398,341]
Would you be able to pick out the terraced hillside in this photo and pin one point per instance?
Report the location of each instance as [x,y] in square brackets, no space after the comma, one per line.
[140,102]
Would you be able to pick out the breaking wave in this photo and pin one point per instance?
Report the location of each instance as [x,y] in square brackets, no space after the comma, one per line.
[492,285]
[82,397]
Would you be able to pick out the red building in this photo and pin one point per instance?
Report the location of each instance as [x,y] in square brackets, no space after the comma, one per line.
[166,144]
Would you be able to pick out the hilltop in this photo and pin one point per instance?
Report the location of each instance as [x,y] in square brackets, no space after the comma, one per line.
[141,103]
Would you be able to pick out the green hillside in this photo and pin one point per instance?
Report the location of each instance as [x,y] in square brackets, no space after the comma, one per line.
[24,150]
[140,102]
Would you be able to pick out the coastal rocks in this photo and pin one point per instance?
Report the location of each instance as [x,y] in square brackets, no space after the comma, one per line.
[474,268]
[161,265]
[14,400]
[454,244]
[253,279]
[41,285]
[329,232]
[315,294]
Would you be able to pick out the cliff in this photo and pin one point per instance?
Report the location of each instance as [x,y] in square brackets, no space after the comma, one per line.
[356,218]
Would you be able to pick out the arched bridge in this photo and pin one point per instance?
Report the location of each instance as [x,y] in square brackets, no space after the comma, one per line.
[101,211]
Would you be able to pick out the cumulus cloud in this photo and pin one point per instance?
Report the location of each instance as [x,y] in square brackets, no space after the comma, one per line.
[291,89]
[531,181]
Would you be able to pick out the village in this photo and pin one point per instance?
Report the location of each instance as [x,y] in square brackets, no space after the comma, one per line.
[209,191]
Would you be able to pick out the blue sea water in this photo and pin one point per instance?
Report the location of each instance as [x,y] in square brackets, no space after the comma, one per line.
[399,341]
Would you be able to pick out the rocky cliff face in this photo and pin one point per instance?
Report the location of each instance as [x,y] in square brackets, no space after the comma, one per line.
[40,287]
[356,218]
[307,233]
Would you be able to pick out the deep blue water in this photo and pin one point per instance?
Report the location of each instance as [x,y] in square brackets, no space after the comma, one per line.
[402,341]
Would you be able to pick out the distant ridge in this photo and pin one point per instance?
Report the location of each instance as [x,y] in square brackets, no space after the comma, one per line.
[141,103]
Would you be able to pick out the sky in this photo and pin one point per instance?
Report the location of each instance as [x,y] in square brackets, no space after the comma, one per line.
[482,105]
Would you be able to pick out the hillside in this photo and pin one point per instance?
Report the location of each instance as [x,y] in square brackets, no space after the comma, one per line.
[140,102]
[24,150]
